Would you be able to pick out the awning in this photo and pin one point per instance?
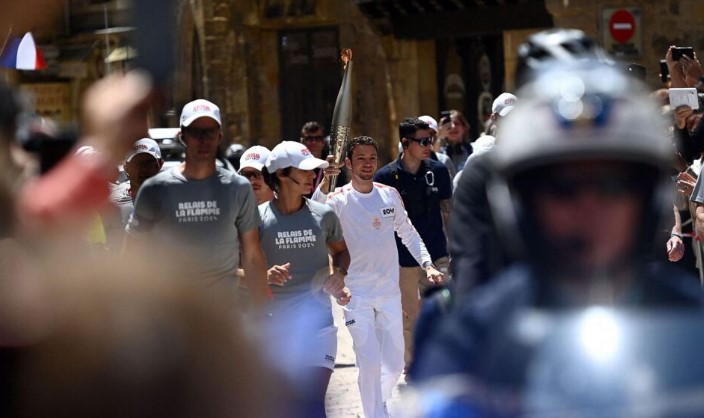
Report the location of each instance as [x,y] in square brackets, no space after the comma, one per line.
[432,19]
[122,53]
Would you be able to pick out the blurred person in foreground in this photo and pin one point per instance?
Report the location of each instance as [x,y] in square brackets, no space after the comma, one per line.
[202,210]
[82,335]
[39,215]
[299,237]
[474,246]
[114,117]
[581,186]
[109,337]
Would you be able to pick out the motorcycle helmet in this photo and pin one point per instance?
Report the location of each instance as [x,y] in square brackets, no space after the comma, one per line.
[541,50]
[578,112]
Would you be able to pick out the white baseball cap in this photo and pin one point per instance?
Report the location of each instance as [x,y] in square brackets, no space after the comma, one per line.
[199,109]
[504,104]
[255,157]
[144,146]
[293,154]
[432,123]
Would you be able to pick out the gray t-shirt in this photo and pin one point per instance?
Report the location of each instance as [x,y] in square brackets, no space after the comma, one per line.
[301,239]
[201,217]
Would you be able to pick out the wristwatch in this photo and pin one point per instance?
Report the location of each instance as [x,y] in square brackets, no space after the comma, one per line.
[428,264]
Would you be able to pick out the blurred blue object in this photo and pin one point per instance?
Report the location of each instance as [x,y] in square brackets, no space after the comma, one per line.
[595,362]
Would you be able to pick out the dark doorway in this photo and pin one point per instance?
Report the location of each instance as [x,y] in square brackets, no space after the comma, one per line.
[311,74]
[470,76]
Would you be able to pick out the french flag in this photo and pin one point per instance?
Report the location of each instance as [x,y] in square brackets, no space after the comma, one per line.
[22,54]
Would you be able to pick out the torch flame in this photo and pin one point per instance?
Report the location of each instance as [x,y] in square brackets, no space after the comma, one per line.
[346,56]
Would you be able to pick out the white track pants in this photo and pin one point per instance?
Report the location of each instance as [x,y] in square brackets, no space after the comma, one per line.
[376,326]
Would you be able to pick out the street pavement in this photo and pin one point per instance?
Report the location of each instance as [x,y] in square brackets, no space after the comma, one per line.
[342,400]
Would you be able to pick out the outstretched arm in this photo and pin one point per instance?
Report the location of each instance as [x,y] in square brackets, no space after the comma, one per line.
[675,246]
[114,117]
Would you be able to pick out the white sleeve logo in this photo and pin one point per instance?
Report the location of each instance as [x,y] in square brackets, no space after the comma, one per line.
[387,212]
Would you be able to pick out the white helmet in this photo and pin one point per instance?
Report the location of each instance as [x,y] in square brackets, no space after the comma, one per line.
[557,45]
[572,112]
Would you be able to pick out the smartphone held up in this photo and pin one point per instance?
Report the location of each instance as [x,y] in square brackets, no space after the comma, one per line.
[679,51]
[444,117]
[664,71]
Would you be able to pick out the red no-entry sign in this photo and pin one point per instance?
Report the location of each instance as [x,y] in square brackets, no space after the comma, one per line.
[622,26]
[622,31]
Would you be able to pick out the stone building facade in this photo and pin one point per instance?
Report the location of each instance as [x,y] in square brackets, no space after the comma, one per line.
[396,74]
[274,64]
[239,45]
[664,23]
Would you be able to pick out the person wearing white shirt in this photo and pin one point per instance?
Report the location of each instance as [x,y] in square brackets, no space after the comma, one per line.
[370,213]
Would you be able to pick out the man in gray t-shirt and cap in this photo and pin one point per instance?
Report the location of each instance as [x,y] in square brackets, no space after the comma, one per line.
[203,210]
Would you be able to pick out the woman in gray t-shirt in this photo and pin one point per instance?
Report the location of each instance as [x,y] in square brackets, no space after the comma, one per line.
[297,235]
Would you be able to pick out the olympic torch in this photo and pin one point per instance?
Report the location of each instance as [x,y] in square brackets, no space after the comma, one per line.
[341,116]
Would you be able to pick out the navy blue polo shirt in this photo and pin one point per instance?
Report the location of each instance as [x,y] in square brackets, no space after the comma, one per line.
[421,194]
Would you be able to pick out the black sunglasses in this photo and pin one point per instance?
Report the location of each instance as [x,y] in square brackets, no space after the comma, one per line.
[424,142]
[249,174]
[316,138]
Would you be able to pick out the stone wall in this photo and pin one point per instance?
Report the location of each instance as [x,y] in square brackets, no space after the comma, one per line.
[412,83]
[392,79]
[665,23]
[44,18]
